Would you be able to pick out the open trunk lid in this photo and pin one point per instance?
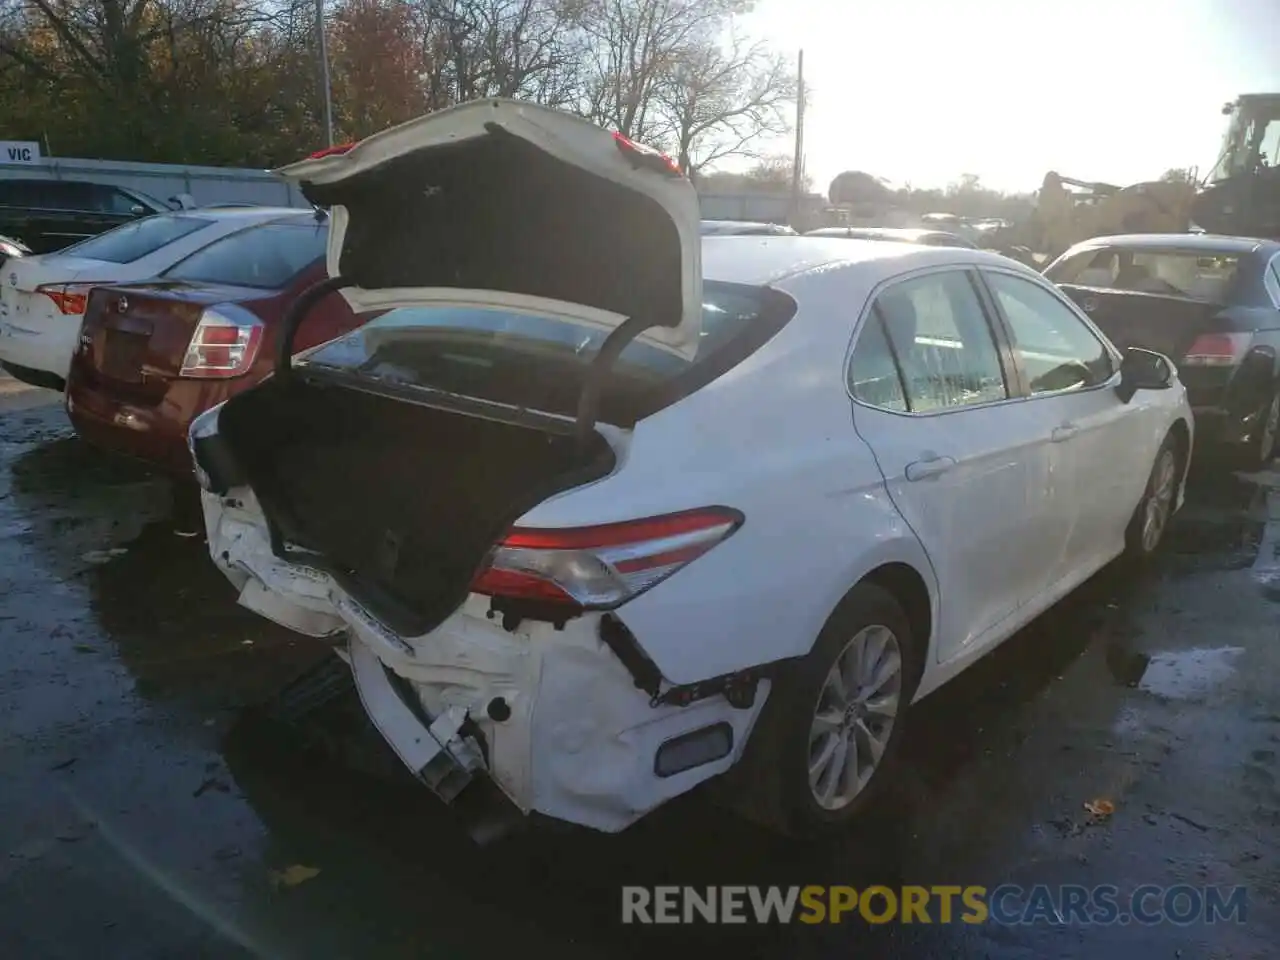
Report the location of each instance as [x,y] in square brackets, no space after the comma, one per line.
[516,206]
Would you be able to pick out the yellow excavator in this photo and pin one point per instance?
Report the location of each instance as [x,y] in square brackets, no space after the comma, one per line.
[1240,195]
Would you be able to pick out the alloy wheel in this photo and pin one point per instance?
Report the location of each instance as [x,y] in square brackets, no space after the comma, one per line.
[854,717]
[1159,505]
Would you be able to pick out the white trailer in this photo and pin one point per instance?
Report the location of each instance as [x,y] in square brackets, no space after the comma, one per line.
[206,186]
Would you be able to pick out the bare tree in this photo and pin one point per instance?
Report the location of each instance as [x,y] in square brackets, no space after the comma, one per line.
[634,48]
[726,99]
[498,48]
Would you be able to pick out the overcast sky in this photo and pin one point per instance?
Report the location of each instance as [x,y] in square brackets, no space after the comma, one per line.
[922,91]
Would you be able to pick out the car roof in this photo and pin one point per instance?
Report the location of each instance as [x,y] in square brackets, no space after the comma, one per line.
[760,261]
[909,234]
[732,226]
[1207,243]
[244,213]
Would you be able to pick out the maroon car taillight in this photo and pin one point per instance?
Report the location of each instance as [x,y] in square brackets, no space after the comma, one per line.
[603,566]
[1217,350]
[225,344]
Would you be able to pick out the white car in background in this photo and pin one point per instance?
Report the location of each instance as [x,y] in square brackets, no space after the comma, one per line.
[820,480]
[43,297]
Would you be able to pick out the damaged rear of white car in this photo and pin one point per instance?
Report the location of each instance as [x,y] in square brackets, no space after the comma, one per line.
[520,501]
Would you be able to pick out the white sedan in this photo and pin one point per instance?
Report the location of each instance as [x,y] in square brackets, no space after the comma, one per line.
[42,298]
[600,560]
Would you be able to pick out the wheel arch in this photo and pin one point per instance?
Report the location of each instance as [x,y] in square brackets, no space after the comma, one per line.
[914,592]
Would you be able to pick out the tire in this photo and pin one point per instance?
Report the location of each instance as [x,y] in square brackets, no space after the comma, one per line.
[1151,517]
[777,785]
[1261,453]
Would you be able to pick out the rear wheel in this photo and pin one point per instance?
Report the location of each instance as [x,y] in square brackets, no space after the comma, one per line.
[831,730]
[1151,518]
[1264,448]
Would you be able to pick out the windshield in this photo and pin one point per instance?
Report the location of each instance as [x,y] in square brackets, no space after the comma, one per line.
[1173,273]
[1252,140]
[489,353]
[137,239]
[267,256]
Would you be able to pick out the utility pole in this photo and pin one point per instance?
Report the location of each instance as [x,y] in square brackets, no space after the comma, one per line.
[797,164]
[326,92]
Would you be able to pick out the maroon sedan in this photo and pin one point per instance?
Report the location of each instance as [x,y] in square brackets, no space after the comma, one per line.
[154,355]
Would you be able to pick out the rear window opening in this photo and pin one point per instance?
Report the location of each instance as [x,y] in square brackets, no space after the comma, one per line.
[1185,274]
[541,363]
[266,257]
[498,213]
[138,239]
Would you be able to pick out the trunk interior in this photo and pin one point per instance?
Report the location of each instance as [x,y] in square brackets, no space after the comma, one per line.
[402,500]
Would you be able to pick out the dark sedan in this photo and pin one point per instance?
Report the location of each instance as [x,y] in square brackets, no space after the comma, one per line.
[1209,303]
[153,355]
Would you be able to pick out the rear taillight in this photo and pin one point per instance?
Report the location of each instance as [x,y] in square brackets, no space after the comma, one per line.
[70,298]
[643,156]
[337,148]
[224,344]
[598,568]
[1217,350]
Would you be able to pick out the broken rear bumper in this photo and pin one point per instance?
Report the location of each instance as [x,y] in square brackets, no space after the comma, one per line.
[551,716]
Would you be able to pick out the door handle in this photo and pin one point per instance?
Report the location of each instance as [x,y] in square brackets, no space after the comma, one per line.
[928,469]
[1064,432]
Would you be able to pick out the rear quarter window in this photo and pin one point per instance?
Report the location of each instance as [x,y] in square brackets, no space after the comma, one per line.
[541,363]
[267,256]
[138,239]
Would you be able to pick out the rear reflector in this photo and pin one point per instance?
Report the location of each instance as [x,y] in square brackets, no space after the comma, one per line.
[224,344]
[693,749]
[603,566]
[1217,350]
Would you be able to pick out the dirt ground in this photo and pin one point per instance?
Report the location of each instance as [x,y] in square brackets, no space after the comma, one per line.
[147,808]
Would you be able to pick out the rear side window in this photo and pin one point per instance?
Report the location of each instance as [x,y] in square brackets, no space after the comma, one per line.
[1176,273]
[267,256]
[942,342]
[42,194]
[540,362]
[873,374]
[138,239]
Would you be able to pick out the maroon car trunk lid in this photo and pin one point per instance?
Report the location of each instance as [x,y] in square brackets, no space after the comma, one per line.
[135,338]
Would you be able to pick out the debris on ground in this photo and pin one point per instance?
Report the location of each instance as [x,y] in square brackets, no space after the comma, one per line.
[211,783]
[293,875]
[102,556]
[1101,809]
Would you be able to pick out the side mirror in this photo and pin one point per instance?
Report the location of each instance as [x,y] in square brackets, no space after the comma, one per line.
[138,210]
[1143,370]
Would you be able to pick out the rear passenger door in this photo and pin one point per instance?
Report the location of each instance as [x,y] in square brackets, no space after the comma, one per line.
[930,380]
[1101,449]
